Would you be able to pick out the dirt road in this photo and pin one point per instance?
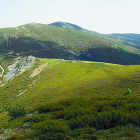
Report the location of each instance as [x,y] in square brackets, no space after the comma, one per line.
[2,71]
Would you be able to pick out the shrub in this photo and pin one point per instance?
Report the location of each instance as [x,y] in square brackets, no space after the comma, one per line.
[35,118]
[51,129]
[88,136]
[13,137]
[68,138]
[16,111]
[88,130]
[129,91]
[58,114]
[44,109]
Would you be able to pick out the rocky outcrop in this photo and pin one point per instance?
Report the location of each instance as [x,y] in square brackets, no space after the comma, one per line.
[19,67]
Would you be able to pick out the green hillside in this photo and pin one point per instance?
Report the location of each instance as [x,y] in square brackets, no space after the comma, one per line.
[62,79]
[47,41]
[131,39]
[65,94]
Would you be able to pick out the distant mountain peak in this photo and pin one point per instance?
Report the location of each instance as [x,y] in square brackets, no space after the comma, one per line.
[67,25]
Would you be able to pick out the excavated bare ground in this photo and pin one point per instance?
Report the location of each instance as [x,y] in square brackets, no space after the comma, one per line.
[38,70]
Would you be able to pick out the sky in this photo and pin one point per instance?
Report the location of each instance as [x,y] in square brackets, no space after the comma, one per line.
[103,16]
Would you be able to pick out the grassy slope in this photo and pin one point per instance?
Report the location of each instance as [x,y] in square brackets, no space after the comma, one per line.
[62,80]
[126,39]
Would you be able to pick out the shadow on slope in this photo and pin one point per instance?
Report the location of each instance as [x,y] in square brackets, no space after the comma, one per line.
[25,46]
[110,55]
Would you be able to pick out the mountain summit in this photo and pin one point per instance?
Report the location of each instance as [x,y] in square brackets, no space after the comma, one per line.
[67,25]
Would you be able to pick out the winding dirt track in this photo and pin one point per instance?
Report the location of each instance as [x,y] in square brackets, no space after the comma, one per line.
[2,71]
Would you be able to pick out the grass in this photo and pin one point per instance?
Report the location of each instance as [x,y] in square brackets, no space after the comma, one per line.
[62,81]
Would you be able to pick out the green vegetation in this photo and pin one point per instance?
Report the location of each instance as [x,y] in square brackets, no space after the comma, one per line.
[62,80]
[72,100]
[129,42]
[94,118]
[129,91]
[85,117]
[43,41]
[16,111]
[59,99]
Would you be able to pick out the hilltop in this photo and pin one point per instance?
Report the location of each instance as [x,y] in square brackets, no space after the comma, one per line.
[67,25]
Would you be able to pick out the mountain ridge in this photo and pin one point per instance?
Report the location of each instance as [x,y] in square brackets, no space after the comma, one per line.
[42,40]
[126,38]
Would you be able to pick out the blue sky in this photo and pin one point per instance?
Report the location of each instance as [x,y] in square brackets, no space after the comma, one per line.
[103,16]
